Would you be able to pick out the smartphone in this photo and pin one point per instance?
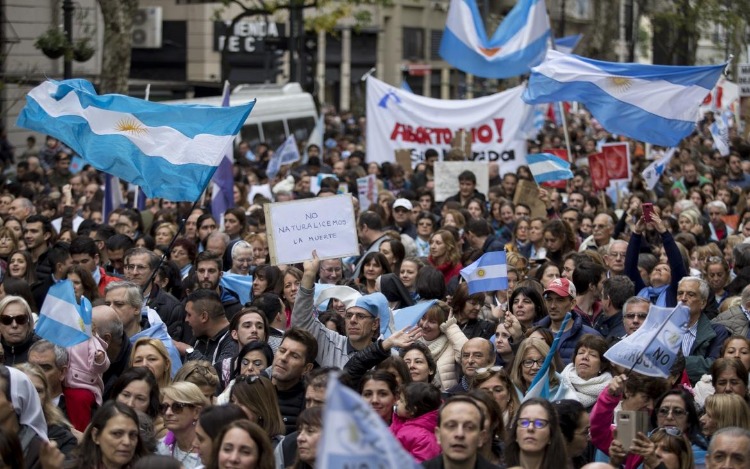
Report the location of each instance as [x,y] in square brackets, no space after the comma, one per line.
[648,210]
[629,423]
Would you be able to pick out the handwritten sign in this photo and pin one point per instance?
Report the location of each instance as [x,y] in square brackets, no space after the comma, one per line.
[527,192]
[325,224]
[446,177]
[367,188]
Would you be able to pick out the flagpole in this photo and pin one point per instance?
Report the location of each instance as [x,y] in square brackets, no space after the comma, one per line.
[653,337]
[562,108]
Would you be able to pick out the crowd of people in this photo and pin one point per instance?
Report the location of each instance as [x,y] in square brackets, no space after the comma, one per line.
[183,371]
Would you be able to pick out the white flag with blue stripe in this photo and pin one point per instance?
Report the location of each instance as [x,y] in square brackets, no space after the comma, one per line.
[354,436]
[488,273]
[62,320]
[653,348]
[720,133]
[657,104]
[518,44]
[653,172]
[548,167]
[287,153]
[170,151]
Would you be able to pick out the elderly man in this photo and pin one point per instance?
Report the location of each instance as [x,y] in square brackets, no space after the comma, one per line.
[701,345]
[615,257]
[477,353]
[716,211]
[602,233]
[634,314]
[729,449]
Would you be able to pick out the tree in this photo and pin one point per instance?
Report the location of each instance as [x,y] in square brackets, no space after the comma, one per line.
[118,32]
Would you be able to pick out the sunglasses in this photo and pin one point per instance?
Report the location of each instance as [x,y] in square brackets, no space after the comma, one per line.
[177,407]
[21,320]
[676,411]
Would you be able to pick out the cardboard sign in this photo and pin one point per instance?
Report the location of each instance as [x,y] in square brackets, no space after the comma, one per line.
[403,158]
[325,224]
[462,141]
[367,188]
[527,192]
[598,169]
[446,177]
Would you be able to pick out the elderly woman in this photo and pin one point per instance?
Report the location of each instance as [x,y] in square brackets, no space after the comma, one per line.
[529,359]
[588,375]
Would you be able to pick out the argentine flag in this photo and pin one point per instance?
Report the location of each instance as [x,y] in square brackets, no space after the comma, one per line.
[657,104]
[409,316]
[548,167]
[62,320]
[488,273]
[567,44]
[170,151]
[355,436]
[287,153]
[518,44]
[653,172]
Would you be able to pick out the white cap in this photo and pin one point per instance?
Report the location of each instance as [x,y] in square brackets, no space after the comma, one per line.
[404,203]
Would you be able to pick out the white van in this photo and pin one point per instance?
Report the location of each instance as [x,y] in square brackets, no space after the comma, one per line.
[280,111]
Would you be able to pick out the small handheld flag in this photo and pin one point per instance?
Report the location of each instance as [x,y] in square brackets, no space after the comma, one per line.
[488,273]
[653,172]
[62,320]
[410,316]
[287,153]
[548,167]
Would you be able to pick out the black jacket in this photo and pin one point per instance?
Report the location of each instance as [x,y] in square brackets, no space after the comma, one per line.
[364,360]
[740,281]
[17,354]
[118,365]
[169,309]
[478,328]
[291,404]
[457,197]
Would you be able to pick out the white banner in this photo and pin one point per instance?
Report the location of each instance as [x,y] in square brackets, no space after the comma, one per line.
[397,119]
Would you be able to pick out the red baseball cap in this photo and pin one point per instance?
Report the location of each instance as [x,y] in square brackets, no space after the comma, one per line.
[562,287]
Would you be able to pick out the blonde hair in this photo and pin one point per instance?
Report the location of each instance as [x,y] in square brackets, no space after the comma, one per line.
[198,372]
[187,393]
[52,414]
[516,372]
[728,410]
[165,379]
[10,299]
[259,396]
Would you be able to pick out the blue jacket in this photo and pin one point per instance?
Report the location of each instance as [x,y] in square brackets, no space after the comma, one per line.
[570,338]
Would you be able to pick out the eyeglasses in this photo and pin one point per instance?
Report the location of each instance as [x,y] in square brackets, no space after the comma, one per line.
[672,431]
[528,363]
[136,267]
[631,316]
[21,320]
[676,412]
[359,316]
[536,423]
[481,372]
[177,407]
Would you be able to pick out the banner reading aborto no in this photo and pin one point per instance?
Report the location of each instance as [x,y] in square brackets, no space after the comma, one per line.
[397,119]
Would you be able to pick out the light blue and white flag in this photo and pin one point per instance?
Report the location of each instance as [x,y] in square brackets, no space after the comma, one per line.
[62,320]
[653,348]
[540,384]
[287,153]
[242,285]
[654,171]
[548,167]
[657,104]
[567,44]
[518,44]
[409,316]
[355,436]
[170,151]
[720,133]
[488,273]
[113,198]
[222,195]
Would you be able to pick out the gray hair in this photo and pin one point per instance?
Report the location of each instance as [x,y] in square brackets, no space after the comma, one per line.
[153,259]
[241,244]
[133,294]
[61,353]
[218,234]
[702,285]
[718,204]
[634,300]
[735,432]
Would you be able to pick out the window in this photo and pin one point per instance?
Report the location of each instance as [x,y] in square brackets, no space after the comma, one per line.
[301,127]
[274,133]
[251,134]
[413,45]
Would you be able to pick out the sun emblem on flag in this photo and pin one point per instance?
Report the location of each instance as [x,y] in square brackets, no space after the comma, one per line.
[621,83]
[672,338]
[81,325]
[489,51]
[481,273]
[131,126]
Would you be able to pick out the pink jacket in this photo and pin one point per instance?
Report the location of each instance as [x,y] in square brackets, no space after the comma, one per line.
[602,428]
[84,370]
[417,435]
